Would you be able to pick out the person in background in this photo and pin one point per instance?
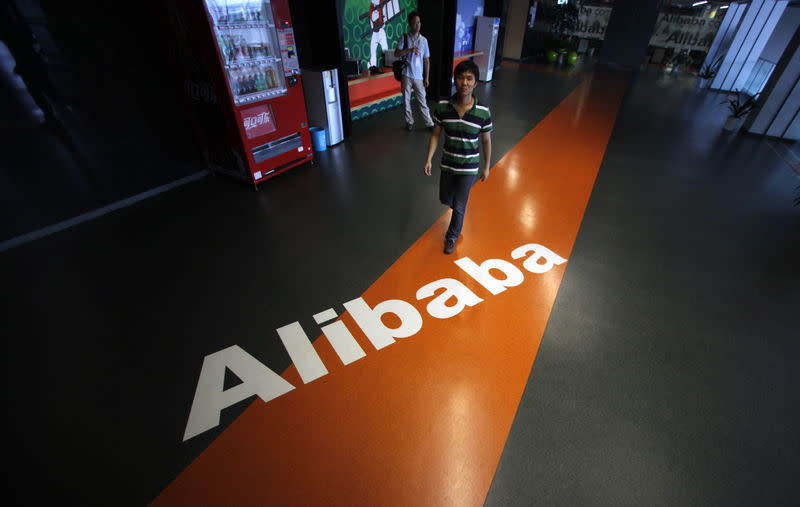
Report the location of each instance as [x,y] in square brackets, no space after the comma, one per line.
[413,46]
[467,124]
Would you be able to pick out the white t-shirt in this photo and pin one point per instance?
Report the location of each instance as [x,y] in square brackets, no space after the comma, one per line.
[415,69]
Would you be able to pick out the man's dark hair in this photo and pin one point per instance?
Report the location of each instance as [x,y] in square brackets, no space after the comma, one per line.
[467,66]
[412,15]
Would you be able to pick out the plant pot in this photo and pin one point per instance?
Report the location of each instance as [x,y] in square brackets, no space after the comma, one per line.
[733,123]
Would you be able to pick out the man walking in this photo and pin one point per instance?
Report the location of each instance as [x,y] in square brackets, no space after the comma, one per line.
[467,126]
[413,46]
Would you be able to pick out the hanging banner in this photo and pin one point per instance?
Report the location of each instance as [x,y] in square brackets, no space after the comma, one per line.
[592,22]
[671,30]
[685,32]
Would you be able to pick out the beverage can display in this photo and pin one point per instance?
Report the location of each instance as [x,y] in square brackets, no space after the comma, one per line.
[251,47]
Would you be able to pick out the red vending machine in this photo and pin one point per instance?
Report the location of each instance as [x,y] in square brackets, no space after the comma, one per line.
[242,80]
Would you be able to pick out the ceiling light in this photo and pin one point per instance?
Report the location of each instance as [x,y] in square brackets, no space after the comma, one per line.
[699,3]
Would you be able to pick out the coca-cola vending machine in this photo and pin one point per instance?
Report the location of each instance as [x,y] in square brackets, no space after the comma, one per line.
[241,78]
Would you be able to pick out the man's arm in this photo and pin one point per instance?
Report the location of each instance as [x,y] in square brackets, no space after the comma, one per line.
[426,65]
[486,142]
[432,144]
[399,53]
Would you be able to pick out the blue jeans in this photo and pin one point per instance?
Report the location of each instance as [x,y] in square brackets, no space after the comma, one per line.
[454,192]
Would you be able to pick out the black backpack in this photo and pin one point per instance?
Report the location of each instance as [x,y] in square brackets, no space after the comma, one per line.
[399,65]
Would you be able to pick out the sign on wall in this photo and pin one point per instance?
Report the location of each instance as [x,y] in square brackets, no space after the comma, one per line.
[671,30]
[685,32]
[371,27]
[592,22]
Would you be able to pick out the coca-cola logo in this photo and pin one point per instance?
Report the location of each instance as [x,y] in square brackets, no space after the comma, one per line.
[258,120]
[252,122]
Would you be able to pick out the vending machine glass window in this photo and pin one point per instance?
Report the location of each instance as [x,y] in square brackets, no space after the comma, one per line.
[247,40]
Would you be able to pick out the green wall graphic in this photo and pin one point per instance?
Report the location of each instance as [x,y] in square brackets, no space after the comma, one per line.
[358,31]
[363,112]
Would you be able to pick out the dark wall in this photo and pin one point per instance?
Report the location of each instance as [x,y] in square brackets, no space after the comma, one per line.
[124,74]
[629,31]
[320,43]
[438,26]
[113,123]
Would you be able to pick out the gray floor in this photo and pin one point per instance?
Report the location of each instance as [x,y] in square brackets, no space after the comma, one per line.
[668,373]
[664,377]
[110,320]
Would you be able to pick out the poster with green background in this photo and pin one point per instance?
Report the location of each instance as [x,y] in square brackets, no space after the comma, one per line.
[372,26]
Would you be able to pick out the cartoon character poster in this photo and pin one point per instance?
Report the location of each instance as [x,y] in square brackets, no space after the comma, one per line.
[371,27]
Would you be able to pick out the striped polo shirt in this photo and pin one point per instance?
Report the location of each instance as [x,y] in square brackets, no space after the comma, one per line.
[462,135]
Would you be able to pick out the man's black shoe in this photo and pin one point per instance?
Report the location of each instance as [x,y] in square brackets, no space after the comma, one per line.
[409,126]
[430,128]
[449,246]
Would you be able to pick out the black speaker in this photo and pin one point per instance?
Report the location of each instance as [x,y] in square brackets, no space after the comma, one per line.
[352,68]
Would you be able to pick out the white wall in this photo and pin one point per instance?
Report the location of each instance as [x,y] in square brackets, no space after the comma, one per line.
[779,117]
[751,38]
[784,30]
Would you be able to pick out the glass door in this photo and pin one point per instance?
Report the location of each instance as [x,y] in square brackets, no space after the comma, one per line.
[248,42]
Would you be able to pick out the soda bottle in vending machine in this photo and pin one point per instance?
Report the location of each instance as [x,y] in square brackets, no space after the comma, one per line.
[243,83]
[261,82]
[230,48]
[251,81]
[223,50]
[234,80]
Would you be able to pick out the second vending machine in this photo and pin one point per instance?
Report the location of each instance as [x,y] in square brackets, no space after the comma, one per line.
[254,76]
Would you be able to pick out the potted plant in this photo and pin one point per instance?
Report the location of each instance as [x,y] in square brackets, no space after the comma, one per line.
[563,22]
[740,103]
[708,72]
[557,50]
